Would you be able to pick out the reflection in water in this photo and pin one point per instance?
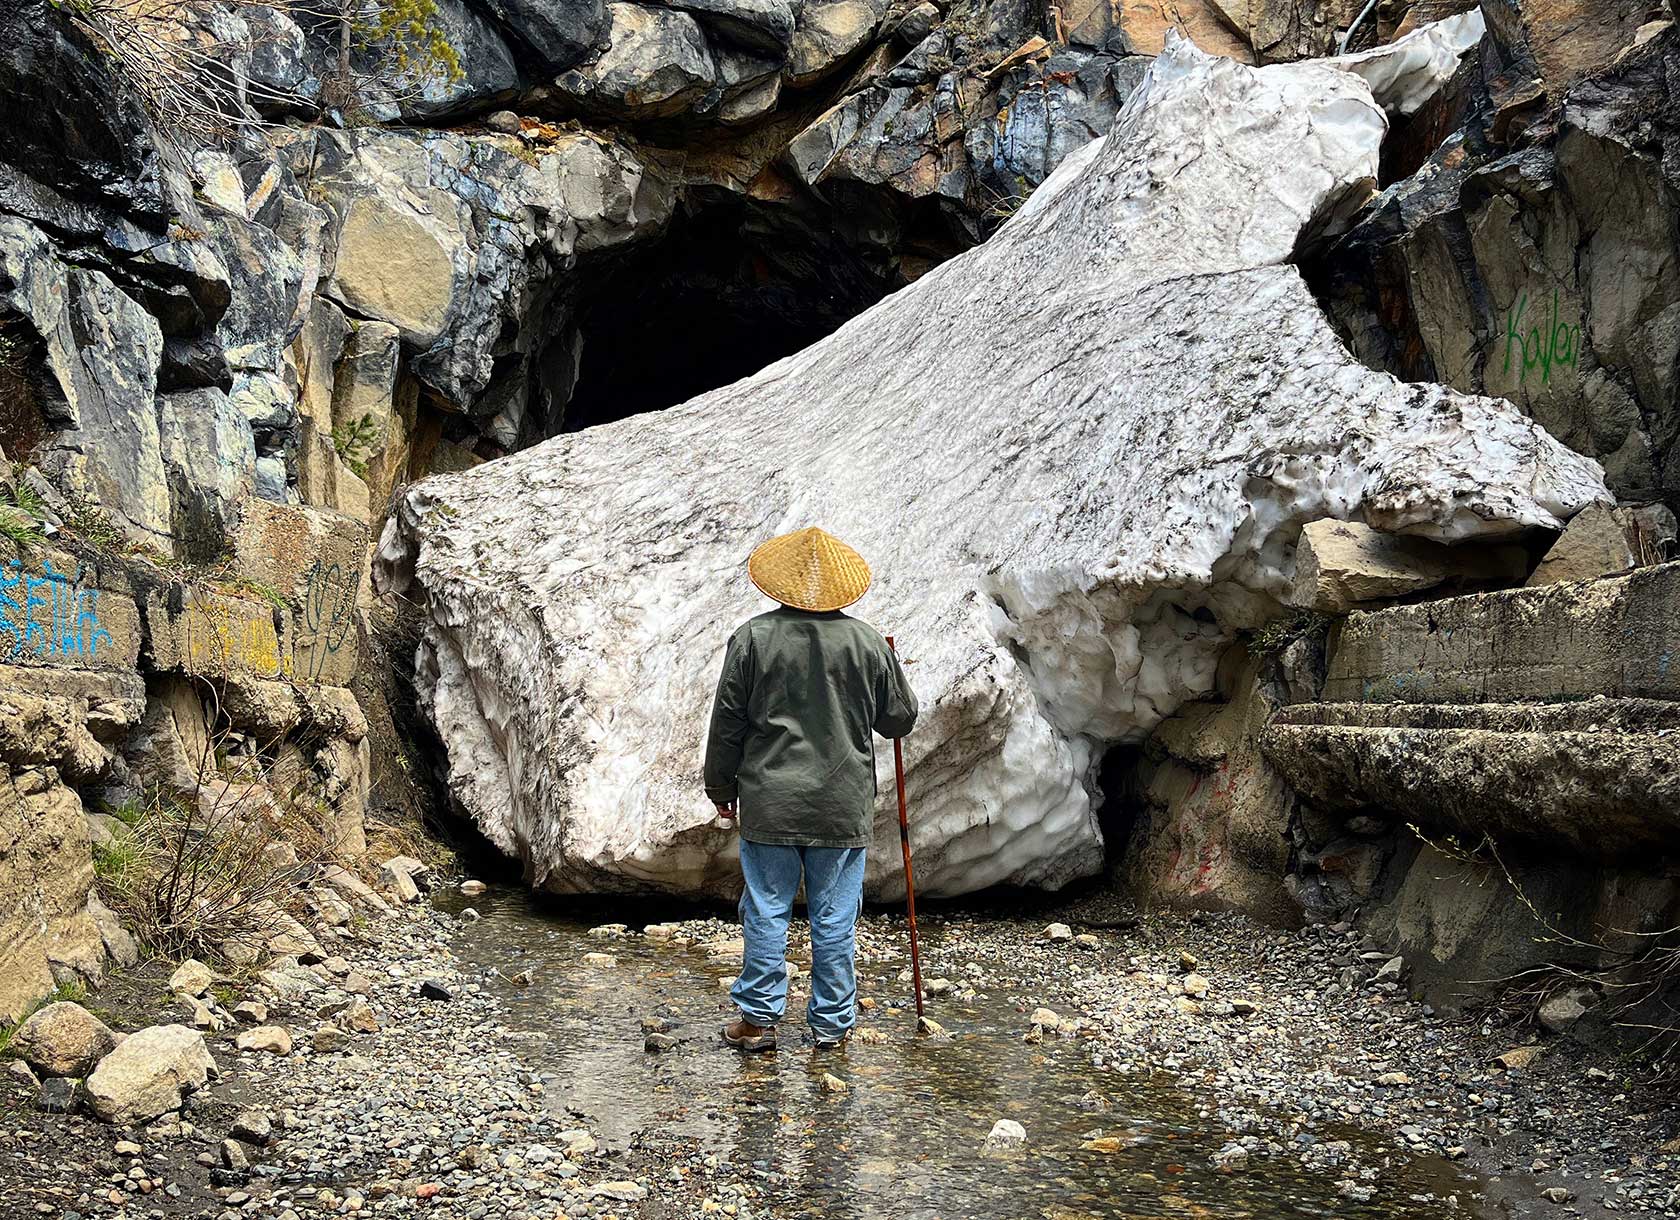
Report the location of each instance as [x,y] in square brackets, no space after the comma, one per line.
[904,1141]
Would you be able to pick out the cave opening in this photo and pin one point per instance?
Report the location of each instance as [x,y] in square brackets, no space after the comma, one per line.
[1118,801]
[733,285]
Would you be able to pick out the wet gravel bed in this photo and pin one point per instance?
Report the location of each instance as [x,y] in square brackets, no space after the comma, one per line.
[1293,1086]
[1332,1042]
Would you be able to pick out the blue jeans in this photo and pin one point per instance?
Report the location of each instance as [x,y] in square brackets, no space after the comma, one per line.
[833,898]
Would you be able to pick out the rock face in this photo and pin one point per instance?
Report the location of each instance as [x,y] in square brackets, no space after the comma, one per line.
[46,870]
[1211,831]
[1532,256]
[1081,550]
[149,1074]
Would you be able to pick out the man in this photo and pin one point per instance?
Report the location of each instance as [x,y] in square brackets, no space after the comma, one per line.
[790,754]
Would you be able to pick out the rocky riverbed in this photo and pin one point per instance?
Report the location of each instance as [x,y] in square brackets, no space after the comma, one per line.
[518,1059]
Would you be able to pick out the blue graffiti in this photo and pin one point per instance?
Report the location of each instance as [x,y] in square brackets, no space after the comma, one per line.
[49,615]
[329,613]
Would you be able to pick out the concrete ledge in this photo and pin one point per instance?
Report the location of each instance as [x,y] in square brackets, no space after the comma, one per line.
[1619,636]
[1600,777]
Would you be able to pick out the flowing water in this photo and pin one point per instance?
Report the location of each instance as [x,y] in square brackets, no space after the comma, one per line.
[904,1141]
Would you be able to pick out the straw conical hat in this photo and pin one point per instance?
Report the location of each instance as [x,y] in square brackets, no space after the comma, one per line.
[809,569]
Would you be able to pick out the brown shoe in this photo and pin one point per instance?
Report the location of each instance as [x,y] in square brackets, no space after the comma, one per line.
[743,1035]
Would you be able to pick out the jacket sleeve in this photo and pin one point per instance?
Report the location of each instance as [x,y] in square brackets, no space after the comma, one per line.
[729,721]
[895,702]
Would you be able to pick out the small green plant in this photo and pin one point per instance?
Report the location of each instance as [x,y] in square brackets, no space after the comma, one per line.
[26,497]
[257,588]
[92,525]
[355,441]
[22,511]
[1272,638]
[114,862]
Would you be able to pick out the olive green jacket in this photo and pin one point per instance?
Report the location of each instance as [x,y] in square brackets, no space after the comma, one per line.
[790,734]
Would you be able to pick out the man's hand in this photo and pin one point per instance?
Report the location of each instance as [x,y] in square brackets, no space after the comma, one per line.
[726,813]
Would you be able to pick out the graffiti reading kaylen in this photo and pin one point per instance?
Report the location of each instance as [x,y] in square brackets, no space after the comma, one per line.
[1542,347]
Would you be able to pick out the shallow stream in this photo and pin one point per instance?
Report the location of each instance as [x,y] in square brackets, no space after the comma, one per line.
[905,1140]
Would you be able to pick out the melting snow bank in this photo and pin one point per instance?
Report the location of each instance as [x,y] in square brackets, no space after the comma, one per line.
[1078,457]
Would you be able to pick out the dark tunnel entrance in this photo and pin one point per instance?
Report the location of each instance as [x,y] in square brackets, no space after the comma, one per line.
[734,285]
[1119,801]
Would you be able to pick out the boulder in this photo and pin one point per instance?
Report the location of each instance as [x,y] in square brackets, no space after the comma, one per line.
[148,1075]
[829,32]
[1593,544]
[353,887]
[1098,508]
[64,1039]
[192,977]
[556,33]
[1340,565]
[1561,1012]
[1006,1135]
[46,872]
[255,1127]
[272,1039]
[399,882]
[657,64]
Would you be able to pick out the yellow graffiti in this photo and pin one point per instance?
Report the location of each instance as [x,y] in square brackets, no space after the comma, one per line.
[217,639]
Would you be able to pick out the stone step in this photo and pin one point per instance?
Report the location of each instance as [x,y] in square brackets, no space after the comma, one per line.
[1619,636]
[1600,776]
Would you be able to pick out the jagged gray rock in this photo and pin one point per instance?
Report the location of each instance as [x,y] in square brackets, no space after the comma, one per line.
[1543,273]
[1078,457]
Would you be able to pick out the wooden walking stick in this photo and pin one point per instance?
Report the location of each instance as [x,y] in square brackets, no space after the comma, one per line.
[909,875]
